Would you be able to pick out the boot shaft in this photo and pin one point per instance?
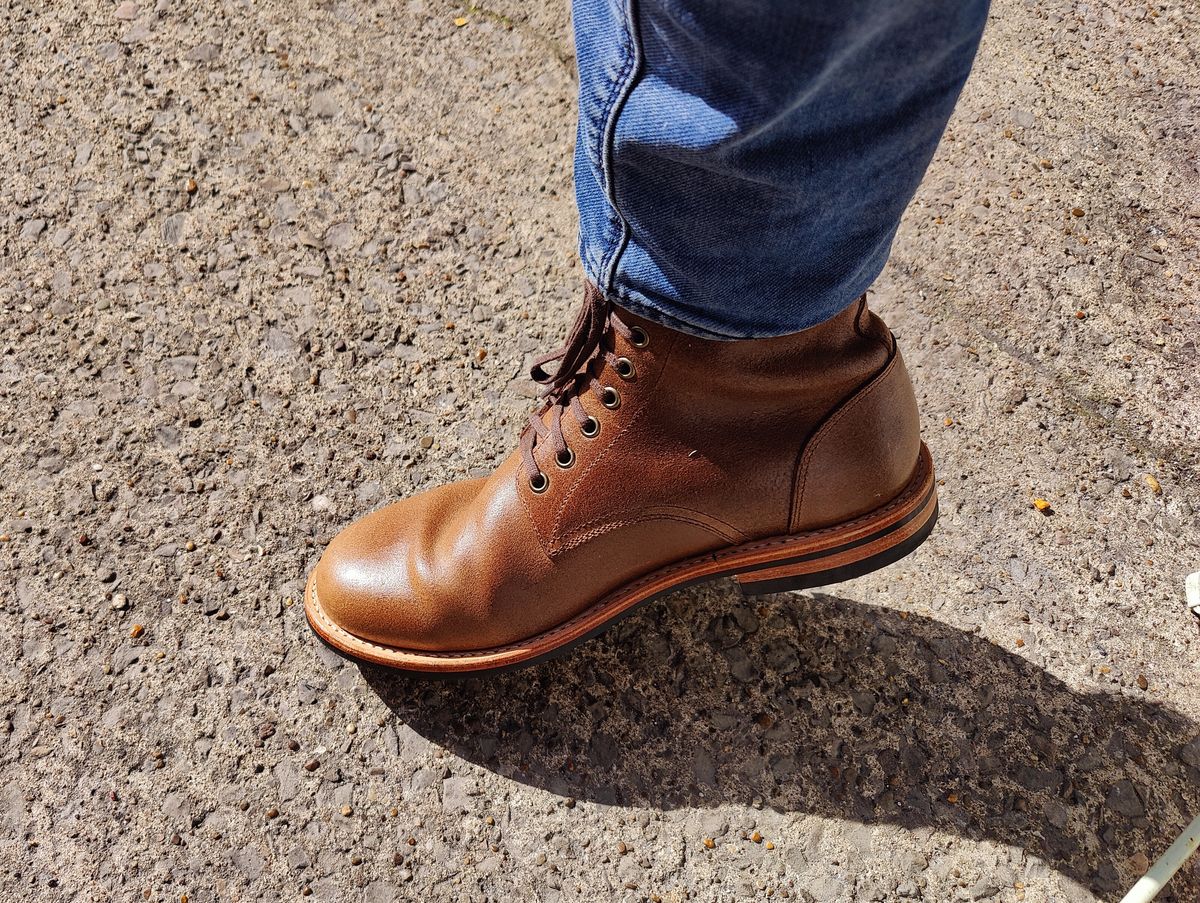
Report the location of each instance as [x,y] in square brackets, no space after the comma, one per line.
[721,427]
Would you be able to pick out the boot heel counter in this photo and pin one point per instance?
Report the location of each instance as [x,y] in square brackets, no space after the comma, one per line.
[863,455]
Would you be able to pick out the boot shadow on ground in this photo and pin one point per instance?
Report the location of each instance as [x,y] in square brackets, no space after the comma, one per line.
[822,705]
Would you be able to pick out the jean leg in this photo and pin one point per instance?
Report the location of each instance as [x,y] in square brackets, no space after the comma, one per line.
[609,58]
[742,165]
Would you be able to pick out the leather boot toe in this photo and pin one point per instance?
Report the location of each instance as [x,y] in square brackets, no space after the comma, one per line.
[377,579]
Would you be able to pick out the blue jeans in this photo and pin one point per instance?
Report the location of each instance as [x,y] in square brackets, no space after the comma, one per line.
[742,165]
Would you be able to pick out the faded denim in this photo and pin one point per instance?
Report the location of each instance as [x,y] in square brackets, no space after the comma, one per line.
[741,166]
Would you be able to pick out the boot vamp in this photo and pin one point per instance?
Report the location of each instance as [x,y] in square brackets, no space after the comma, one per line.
[463,566]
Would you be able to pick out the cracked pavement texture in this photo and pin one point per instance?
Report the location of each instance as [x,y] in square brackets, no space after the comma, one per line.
[267,266]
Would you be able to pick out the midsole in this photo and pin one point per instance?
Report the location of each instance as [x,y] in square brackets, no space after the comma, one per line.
[846,547]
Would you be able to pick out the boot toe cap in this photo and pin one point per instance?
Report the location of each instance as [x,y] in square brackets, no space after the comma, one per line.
[385,580]
[363,589]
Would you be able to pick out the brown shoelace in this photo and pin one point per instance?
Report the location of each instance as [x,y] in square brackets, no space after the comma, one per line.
[584,347]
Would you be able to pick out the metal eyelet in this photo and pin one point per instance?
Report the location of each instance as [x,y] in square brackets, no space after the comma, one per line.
[638,337]
[567,462]
[590,428]
[625,369]
[610,398]
[539,483]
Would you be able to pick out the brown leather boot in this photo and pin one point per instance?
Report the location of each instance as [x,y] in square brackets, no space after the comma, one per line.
[656,460]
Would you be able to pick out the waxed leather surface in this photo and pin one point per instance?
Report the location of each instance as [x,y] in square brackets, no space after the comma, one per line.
[704,452]
[862,455]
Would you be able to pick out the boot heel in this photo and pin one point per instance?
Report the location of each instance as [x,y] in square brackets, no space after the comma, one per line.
[845,564]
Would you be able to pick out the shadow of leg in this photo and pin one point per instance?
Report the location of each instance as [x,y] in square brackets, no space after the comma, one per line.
[816,704]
